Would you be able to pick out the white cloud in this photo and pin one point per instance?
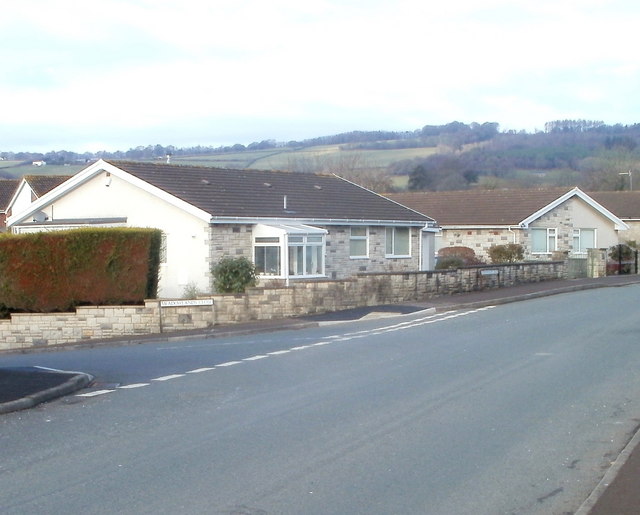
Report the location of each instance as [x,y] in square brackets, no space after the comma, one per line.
[151,66]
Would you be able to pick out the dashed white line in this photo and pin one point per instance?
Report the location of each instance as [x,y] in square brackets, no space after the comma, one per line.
[255,358]
[168,378]
[330,339]
[131,386]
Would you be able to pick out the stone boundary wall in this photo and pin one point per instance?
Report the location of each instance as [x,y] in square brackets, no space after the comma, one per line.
[27,330]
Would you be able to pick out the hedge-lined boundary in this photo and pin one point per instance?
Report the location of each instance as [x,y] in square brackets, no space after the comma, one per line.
[59,270]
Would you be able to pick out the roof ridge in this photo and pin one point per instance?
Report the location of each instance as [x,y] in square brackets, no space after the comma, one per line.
[124,163]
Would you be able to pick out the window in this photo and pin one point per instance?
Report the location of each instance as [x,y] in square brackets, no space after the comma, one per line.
[358,242]
[397,242]
[544,241]
[583,239]
[286,250]
[266,256]
[306,255]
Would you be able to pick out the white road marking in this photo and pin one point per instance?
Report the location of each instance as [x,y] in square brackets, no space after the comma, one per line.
[168,378]
[134,385]
[198,370]
[431,319]
[95,393]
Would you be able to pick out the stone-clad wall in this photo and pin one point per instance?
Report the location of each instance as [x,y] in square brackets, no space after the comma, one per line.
[339,265]
[88,323]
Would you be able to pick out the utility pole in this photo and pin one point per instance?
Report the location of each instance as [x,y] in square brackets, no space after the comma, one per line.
[630,179]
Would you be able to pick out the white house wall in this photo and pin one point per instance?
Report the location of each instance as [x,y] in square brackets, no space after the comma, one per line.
[23,199]
[186,236]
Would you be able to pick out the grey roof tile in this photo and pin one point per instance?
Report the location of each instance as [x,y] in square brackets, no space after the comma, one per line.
[260,193]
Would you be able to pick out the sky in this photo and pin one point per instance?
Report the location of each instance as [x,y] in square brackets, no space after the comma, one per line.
[82,75]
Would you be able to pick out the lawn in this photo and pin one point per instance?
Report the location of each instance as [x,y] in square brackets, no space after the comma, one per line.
[310,158]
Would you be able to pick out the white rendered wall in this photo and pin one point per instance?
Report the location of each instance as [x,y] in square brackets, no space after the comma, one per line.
[186,236]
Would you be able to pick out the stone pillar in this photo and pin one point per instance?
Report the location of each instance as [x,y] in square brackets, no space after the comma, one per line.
[597,262]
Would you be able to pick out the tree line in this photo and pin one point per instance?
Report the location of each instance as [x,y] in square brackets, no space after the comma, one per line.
[588,154]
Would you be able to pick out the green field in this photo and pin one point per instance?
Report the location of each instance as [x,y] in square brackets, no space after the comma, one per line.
[311,158]
[17,169]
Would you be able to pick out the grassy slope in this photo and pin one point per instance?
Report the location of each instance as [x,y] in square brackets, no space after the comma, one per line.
[284,158]
[16,170]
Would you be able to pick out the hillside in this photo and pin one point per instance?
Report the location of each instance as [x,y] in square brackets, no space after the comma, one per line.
[586,153]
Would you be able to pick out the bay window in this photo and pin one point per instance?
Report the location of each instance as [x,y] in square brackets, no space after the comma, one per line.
[288,250]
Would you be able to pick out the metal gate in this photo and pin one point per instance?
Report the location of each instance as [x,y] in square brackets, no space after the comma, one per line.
[622,259]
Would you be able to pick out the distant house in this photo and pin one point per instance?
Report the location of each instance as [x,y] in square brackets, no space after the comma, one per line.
[7,190]
[543,221]
[30,188]
[626,206]
[39,163]
[293,226]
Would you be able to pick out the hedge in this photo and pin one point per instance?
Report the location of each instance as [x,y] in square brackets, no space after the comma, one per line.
[56,271]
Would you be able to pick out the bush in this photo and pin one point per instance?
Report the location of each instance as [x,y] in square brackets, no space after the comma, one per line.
[449,262]
[234,275]
[509,253]
[59,270]
[456,257]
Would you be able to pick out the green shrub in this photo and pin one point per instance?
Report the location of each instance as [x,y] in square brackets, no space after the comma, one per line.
[234,275]
[509,253]
[59,270]
[449,262]
[456,257]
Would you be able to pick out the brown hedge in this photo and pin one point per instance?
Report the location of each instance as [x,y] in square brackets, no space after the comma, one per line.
[56,271]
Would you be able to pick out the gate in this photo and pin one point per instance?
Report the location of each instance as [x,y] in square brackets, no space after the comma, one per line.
[577,267]
[622,259]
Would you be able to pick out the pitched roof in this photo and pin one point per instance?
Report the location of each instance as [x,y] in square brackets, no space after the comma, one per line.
[7,189]
[624,204]
[41,184]
[479,207]
[226,193]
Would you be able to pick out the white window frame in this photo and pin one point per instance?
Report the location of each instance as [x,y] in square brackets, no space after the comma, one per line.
[578,236]
[293,241]
[356,238]
[551,234]
[273,242]
[311,247]
[392,243]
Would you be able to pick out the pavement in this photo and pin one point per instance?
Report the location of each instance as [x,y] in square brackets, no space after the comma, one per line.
[618,493]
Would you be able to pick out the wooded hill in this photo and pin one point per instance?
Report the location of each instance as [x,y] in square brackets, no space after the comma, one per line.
[586,153]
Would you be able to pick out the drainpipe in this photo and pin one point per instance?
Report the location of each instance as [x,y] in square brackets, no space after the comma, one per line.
[285,257]
[512,232]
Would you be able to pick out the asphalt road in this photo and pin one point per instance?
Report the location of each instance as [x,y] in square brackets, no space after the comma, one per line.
[518,408]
